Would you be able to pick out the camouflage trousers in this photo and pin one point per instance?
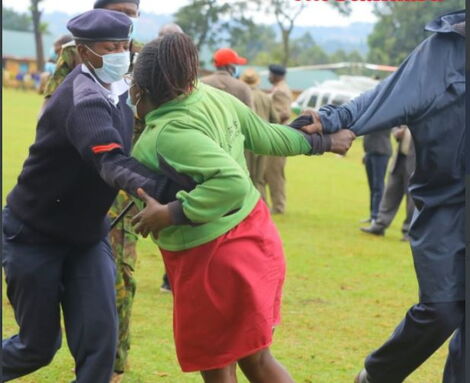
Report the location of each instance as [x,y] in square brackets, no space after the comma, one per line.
[123,242]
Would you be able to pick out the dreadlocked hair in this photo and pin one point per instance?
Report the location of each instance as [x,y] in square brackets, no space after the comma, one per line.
[167,67]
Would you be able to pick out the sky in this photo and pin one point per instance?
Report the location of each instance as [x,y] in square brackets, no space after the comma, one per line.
[315,14]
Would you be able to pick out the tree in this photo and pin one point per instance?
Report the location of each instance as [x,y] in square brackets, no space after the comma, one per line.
[15,21]
[400,28]
[38,29]
[286,12]
[202,20]
[305,51]
[250,39]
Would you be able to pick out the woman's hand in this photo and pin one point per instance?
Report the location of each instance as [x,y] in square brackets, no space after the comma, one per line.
[151,219]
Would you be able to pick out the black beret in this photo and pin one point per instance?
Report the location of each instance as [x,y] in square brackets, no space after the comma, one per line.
[104,3]
[277,69]
[100,25]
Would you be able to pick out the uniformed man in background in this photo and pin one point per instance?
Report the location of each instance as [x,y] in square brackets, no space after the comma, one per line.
[263,107]
[275,177]
[401,169]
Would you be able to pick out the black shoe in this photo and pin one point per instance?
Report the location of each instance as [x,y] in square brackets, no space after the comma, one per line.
[367,220]
[165,288]
[373,229]
[362,377]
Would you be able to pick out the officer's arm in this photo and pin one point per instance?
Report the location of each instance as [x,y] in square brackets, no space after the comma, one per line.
[90,130]
[420,87]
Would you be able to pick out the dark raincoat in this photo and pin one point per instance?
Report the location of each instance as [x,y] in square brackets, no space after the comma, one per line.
[427,93]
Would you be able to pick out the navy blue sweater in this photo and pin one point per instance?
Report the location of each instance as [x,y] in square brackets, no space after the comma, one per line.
[78,162]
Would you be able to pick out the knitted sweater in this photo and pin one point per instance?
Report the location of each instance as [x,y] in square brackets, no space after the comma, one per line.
[78,162]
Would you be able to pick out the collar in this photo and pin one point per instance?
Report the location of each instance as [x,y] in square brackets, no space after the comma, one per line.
[179,102]
[447,22]
[118,88]
[222,73]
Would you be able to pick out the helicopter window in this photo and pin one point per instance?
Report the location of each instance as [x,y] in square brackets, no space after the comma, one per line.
[339,100]
[325,98]
[312,103]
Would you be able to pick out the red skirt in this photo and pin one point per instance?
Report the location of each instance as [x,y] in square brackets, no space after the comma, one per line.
[227,293]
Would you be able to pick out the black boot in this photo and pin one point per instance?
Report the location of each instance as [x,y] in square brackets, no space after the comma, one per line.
[373,229]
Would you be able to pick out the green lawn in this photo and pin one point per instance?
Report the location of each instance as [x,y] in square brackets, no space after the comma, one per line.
[344,293]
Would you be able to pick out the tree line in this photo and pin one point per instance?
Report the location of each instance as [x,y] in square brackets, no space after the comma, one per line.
[400,27]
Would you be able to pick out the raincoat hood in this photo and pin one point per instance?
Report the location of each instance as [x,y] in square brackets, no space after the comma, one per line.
[447,23]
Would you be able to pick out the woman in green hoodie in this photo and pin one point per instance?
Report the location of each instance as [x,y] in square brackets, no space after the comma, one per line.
[222,252]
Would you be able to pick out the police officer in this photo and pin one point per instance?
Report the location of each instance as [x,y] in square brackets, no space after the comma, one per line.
[55,249]
[427,93]
[123,238]
[263,107]
[69,58]
[275,178]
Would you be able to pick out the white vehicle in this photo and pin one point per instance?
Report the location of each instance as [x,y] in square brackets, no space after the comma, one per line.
[334,92]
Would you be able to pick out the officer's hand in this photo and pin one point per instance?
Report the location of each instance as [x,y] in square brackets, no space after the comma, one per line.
[316,125]
[153,218]
[342,141]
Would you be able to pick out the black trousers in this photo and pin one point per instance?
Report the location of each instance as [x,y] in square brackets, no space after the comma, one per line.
[425,328]
[43,278]
[376,167]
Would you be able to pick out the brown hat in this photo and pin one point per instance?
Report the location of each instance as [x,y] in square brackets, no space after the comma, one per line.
[250,77]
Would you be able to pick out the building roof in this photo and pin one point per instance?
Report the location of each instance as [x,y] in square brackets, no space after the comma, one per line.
[21,45]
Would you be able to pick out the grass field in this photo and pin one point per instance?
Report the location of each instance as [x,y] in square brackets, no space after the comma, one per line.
[344,293]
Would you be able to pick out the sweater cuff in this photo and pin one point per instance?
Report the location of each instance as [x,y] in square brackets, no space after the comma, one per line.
[177,214]
[321,143]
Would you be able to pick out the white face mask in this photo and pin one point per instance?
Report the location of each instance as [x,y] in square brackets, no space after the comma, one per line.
[115,66]
[133,107]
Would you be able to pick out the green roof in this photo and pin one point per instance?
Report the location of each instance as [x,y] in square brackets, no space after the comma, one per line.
[297,78]
[21,44]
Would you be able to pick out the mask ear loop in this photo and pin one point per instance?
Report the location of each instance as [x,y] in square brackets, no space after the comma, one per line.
[96,54]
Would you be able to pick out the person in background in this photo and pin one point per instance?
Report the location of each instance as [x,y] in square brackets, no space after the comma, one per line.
[401,169]
[426,93]
[378,149]
[227,63]
[51,63]
[275,177]
[169,28]
[263,107]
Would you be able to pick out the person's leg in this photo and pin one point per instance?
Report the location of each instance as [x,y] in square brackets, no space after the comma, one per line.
[262,367]
[221,375]
[424,329]
[33,279]
[368,163]
[123,243]
[410,206]
[454,371]
[259,172]
[90,316]
[275,177]
[392,197]
[379,168]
